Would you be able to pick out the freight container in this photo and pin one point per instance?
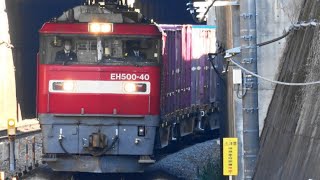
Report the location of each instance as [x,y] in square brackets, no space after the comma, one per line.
[186,66]
[190,84]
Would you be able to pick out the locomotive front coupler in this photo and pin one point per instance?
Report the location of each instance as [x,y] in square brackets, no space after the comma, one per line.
[97,144]
[97,140]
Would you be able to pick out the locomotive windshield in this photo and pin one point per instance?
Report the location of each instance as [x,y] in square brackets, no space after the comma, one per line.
[104,50]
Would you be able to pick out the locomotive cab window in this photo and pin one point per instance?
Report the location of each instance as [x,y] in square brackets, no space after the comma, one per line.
[108,50]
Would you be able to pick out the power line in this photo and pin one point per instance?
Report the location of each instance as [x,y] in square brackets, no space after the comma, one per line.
[274,40]
[294,27]
[209,7]
[193,11]
[273,81]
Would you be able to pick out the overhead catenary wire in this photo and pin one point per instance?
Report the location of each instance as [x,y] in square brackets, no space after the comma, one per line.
[270,41]
[193,12]
[296,26]
[213,65]
[293,27]
[273,81]
[274,40]
[209,7]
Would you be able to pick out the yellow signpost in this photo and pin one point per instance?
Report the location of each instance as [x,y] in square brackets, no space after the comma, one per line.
[11,136]
[1,175]
[11,127]
[230,156]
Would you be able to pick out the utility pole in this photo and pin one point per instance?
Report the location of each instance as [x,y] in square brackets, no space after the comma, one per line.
[237,27]
[248,42]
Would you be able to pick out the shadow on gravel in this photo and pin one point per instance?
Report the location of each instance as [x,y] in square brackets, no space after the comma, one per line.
[45,173]
[156,175]
[197,161]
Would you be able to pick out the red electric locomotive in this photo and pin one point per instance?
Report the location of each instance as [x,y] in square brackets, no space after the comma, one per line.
[99,89]
[102,84]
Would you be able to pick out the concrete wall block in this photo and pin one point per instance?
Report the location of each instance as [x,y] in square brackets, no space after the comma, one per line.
[291,134]
[8,101]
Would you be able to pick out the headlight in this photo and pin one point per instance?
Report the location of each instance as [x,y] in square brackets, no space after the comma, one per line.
[130,87]
[100,27]
[63,86]
[106,27]
[94,27]
[135,87]
[68,86]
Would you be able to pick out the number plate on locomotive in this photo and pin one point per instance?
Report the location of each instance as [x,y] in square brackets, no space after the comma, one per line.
[120,76]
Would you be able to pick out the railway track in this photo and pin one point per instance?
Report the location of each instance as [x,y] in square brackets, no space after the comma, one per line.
[27,149]
[30,170]
[43,172]
[23,131]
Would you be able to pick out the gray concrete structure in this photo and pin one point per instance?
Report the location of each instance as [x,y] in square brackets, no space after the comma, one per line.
[250,109]
[273,17]
[8,100]
[290,139]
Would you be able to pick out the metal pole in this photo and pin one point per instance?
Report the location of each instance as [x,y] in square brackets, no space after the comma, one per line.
[2,175]
[237,103]
[248,43]
[33,151]
[12,155]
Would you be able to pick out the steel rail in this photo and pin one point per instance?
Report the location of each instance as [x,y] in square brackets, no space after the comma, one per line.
[32,129]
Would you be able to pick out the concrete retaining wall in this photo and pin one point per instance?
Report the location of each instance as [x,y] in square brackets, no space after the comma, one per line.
[290,139]
[8,102]
[273,18]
